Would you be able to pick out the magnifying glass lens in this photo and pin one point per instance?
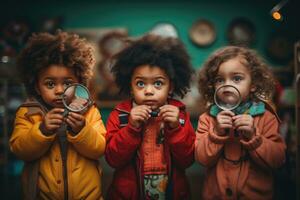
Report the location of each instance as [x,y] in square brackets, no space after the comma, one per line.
[227,97]
[76,98]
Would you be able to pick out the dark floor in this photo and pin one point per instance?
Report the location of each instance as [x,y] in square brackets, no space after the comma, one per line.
[10,187]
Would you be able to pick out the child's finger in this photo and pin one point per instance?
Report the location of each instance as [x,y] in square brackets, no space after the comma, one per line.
[56,110]
[168,108]
[242,122]
[226,126]
[52,127]
[141,116]
[169,114]
[56,116]
[225,121]
[227,112]
[243,128]
[56,121]
[74,122]
[76,116]
[170,119]
[71,123]
[144,115]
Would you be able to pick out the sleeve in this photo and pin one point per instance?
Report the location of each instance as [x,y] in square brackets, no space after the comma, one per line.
[27,141]
[208,145]
[90,141]
[181,143]
[267,147]
[122,143]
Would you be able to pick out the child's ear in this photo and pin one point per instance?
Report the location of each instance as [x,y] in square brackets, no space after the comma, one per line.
[252,88]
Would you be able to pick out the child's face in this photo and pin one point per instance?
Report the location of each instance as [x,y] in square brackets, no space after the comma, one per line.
[52,82]
[234,72]
[150,86]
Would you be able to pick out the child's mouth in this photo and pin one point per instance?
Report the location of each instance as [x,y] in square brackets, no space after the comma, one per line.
[150,103]
[58,102]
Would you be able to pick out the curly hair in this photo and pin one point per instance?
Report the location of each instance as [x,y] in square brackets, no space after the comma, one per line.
[44,49]
[261,75]
[167,53]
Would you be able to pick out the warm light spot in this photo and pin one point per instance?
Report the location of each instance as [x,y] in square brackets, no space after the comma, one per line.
[276,15]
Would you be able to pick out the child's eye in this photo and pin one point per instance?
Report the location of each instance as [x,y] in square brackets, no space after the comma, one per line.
[158,84]
[140,84]
[219,80]
[237,78]
[68,83]
[50,84]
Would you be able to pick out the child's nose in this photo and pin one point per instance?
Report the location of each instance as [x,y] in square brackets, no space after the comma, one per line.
[59,89]
[227,82]
[149,90]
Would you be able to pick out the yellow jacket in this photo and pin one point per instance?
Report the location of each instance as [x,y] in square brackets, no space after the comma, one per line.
[84,150]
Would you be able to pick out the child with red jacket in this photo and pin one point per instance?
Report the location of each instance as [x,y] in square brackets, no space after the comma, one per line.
[150,139]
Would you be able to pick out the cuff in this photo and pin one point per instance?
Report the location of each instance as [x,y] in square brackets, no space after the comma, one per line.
[252,144]
[217,138]
[40,135]
[44,131]
[133,130]
[73,138]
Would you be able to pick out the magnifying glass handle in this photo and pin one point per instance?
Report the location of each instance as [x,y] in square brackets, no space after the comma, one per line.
[65,113]
[227,131]
[236,133]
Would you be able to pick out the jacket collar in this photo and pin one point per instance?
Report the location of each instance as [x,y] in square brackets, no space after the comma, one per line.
[251,108]
[35,106]
[126,105]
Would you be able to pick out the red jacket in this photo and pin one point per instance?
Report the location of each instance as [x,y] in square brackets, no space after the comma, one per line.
[123,153]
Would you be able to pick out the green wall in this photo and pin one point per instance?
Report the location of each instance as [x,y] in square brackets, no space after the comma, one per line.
[139,17]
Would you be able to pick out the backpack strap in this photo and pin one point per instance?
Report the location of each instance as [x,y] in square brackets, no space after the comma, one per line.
[30,183]
[34,107]
[123,119]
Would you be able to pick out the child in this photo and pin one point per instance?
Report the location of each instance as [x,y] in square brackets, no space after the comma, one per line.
[150,139]
[56,168]
[238,166]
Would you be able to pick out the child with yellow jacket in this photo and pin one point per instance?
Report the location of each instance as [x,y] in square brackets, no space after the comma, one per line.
[49,64]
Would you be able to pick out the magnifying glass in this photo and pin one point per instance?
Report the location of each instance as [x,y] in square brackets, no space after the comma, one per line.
[227,97]
[76,98]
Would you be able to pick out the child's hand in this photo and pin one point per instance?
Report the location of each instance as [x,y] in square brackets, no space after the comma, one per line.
[76,121]
[245,125]
[224,122]
[139,115]
[52,120]
[170,114]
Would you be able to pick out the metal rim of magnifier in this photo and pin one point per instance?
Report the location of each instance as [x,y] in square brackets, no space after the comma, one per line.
[215,97]
[80,85]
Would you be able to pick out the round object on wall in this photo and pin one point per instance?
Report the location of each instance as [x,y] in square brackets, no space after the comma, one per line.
[165,30]
[112,43]
[241,32]
[203,33]
[109,45]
